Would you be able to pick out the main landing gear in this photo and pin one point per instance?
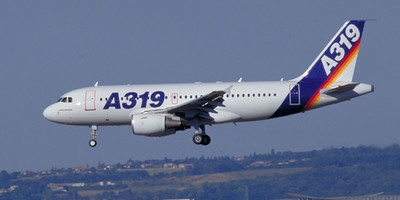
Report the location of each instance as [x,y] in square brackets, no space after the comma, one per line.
[93,141]
[201,138]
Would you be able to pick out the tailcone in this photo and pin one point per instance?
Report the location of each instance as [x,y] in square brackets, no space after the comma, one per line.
[364,88]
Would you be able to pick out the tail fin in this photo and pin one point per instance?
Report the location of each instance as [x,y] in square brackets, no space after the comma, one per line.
[338,59]
[330,73]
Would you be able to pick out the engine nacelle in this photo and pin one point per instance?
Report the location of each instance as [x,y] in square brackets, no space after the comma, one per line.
[155,124]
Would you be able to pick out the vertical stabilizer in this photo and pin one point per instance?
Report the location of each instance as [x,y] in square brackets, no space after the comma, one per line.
[338,59]
[333,67]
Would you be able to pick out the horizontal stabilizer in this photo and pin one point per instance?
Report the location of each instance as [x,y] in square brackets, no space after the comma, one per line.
[339,89]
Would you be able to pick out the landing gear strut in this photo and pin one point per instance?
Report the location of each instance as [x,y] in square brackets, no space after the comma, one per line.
[201,138]
[93,141]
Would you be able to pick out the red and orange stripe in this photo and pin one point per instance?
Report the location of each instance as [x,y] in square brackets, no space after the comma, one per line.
[334,76]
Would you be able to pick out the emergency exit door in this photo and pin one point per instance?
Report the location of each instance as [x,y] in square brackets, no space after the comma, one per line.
[90,102]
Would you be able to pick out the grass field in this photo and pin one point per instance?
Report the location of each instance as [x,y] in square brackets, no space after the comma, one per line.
[181,183]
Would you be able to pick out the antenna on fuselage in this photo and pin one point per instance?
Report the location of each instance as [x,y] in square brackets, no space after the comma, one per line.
[96,84]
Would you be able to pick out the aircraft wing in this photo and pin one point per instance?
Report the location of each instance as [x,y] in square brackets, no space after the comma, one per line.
[207,103]
[197,108]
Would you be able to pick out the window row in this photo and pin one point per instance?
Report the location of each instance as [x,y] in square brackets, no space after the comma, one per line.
[251,95]
[196,96]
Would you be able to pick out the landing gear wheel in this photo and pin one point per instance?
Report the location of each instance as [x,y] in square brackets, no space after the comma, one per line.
[201,139]
[206,140]
[198,139]
[92,143]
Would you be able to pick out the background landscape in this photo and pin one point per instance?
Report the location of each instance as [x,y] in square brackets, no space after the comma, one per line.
[326,173]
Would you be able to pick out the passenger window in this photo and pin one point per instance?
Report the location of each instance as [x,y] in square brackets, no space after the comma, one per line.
[254,95]
[101,99]
[243,95]
[248,95]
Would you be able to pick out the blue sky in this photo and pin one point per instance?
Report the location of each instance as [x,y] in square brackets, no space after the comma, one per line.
[48,48]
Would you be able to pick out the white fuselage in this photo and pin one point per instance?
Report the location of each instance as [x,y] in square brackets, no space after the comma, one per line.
[247,101]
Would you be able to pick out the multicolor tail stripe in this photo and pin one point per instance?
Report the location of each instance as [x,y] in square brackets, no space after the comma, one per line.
[335,63]
[334,76]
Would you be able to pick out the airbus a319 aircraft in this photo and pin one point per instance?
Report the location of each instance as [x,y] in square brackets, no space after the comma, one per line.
[162,109]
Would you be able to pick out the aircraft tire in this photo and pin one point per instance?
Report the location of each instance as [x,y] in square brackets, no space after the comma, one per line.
[198,139]
[206,140]
[92,143]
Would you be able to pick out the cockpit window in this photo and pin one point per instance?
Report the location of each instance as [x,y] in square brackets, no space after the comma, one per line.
[65,99]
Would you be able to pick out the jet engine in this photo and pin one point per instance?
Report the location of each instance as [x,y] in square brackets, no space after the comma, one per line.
[155,125]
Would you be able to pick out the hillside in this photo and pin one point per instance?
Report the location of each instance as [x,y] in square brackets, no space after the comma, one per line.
[330,172]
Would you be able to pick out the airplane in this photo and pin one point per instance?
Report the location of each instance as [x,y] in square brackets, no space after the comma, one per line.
[157,110]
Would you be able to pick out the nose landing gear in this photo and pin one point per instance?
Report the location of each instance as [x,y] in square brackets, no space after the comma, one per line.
[93,142]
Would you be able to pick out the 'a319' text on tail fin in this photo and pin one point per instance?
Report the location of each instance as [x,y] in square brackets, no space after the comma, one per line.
[338,59]
[329,79]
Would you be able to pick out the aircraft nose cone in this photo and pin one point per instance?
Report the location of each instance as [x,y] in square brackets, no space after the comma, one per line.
[49,113]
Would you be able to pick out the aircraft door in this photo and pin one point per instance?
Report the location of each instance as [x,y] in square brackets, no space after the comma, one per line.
[174,98]
[294,97]
[90,102]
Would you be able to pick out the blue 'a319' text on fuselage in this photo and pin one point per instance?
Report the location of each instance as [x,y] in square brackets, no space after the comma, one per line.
[156,99]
